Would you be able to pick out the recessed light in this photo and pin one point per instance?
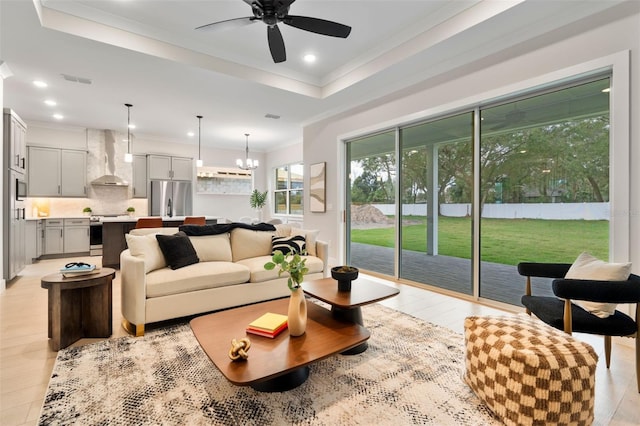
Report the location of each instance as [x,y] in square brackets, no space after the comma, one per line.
[39,83]
[51,102]
[58,116]
[309,58]
[190,134]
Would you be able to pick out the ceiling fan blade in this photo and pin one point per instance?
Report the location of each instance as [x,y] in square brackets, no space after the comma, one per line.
[276,44]
[228,24]
[318,26]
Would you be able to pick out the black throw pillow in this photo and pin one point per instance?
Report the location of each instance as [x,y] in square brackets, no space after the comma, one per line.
[294,245]
[177,250]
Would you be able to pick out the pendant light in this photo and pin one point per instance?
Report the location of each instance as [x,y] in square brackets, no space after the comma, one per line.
[248,163]
[199,161]
[128,157]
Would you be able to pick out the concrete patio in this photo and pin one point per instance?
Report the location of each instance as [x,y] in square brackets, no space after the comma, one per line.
[498,282]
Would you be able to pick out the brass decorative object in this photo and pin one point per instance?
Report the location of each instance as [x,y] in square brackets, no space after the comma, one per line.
[239,349]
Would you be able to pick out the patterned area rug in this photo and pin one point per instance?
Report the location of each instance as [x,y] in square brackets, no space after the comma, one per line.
[411,374]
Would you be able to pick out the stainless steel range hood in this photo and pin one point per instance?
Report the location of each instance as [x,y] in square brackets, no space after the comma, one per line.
[110,178]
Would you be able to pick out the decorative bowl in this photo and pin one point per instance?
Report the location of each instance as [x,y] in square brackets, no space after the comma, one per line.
[344,275]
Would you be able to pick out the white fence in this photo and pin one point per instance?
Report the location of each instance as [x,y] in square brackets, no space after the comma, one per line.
[556,211]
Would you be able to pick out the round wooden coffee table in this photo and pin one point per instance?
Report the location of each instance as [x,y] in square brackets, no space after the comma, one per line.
[79,306]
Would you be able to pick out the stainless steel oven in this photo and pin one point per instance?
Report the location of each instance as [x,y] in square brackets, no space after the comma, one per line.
[95,237]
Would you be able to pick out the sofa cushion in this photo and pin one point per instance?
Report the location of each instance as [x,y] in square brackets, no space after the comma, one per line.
[286,245]
[246,243]
[146,247]
[199,276]
[283,230]
[310,236]
[212,247]
[255,266]
[177,250]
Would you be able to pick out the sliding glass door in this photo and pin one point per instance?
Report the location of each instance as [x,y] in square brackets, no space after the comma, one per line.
[371,164]
[437,189]
[537,182]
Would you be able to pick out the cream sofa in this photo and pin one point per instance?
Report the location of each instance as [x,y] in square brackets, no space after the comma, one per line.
[230,273]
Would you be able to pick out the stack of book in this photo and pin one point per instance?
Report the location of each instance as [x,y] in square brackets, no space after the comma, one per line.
[77,269]
[268,325]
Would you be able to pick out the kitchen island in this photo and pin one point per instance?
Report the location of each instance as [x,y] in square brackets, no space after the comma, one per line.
[115,228]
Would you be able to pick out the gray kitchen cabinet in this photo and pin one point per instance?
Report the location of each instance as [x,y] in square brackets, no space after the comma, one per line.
[73,173]
[44,172]
[54,236]
[163,167]
[57,172]
[31,241]
[76,235]
[39,238]
[139,176]
[15,137]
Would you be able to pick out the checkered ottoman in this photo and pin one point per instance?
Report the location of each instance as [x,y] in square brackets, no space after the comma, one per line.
[529,373]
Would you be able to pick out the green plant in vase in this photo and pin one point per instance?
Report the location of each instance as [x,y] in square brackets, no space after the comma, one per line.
[257,201]
[131,211]
[295,266]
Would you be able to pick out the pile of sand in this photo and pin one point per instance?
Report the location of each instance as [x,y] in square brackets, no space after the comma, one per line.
[368,214]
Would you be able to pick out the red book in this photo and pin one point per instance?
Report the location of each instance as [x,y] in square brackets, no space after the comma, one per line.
[267,333]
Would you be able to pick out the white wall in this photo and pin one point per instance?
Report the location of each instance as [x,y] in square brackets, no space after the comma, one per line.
[496,76]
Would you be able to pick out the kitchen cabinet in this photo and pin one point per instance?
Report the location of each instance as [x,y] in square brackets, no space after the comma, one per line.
[139,176]
[15,131]
[14,241]
[76,235]
[31,241]
[57,172]
[53,236]
[163,167]
[39,238]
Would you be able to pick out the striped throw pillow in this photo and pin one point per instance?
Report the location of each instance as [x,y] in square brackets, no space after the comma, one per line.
[293,245]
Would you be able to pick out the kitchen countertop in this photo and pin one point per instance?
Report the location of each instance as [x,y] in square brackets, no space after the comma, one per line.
[135,218]
[57,217]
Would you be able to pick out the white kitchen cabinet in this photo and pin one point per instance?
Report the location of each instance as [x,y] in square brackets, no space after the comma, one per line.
[139,176]
[57,172]
[76,235]
[163,167]
[54,236]
[15,131]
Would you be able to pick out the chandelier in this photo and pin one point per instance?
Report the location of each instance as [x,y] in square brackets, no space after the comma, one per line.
[248,163]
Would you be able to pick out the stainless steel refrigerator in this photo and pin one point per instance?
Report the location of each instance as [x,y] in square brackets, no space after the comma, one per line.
[171,198]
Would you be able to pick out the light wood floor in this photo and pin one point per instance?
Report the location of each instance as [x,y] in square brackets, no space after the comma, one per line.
[26,360]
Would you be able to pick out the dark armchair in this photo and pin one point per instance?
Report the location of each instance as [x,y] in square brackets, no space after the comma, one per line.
[569,317]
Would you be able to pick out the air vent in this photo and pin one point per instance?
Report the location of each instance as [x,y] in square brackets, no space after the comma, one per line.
[76,79]
[274,116]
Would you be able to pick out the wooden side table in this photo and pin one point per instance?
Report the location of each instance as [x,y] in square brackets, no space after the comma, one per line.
[79,307]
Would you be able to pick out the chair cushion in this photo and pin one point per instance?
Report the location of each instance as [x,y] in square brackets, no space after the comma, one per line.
[588,267]
[551,311]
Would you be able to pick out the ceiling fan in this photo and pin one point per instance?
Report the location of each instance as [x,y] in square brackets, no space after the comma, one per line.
[272,12]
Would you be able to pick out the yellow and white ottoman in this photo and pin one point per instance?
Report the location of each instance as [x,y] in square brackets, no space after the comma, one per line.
[529,373]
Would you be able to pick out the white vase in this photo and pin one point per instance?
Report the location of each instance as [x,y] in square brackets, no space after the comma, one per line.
[297,315]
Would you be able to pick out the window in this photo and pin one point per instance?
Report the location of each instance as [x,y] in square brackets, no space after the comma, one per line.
[288,194]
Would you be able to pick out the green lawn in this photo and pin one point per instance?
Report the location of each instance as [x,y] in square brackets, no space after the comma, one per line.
[506,241]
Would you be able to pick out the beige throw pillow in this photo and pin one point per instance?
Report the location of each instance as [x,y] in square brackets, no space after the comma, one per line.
[587,267]
[211,248]
[246,243]
[147,247]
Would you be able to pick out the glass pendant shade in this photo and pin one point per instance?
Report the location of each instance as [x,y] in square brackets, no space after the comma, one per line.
[199,160]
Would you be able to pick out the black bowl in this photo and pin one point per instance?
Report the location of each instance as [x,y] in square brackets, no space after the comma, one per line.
[344,278]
